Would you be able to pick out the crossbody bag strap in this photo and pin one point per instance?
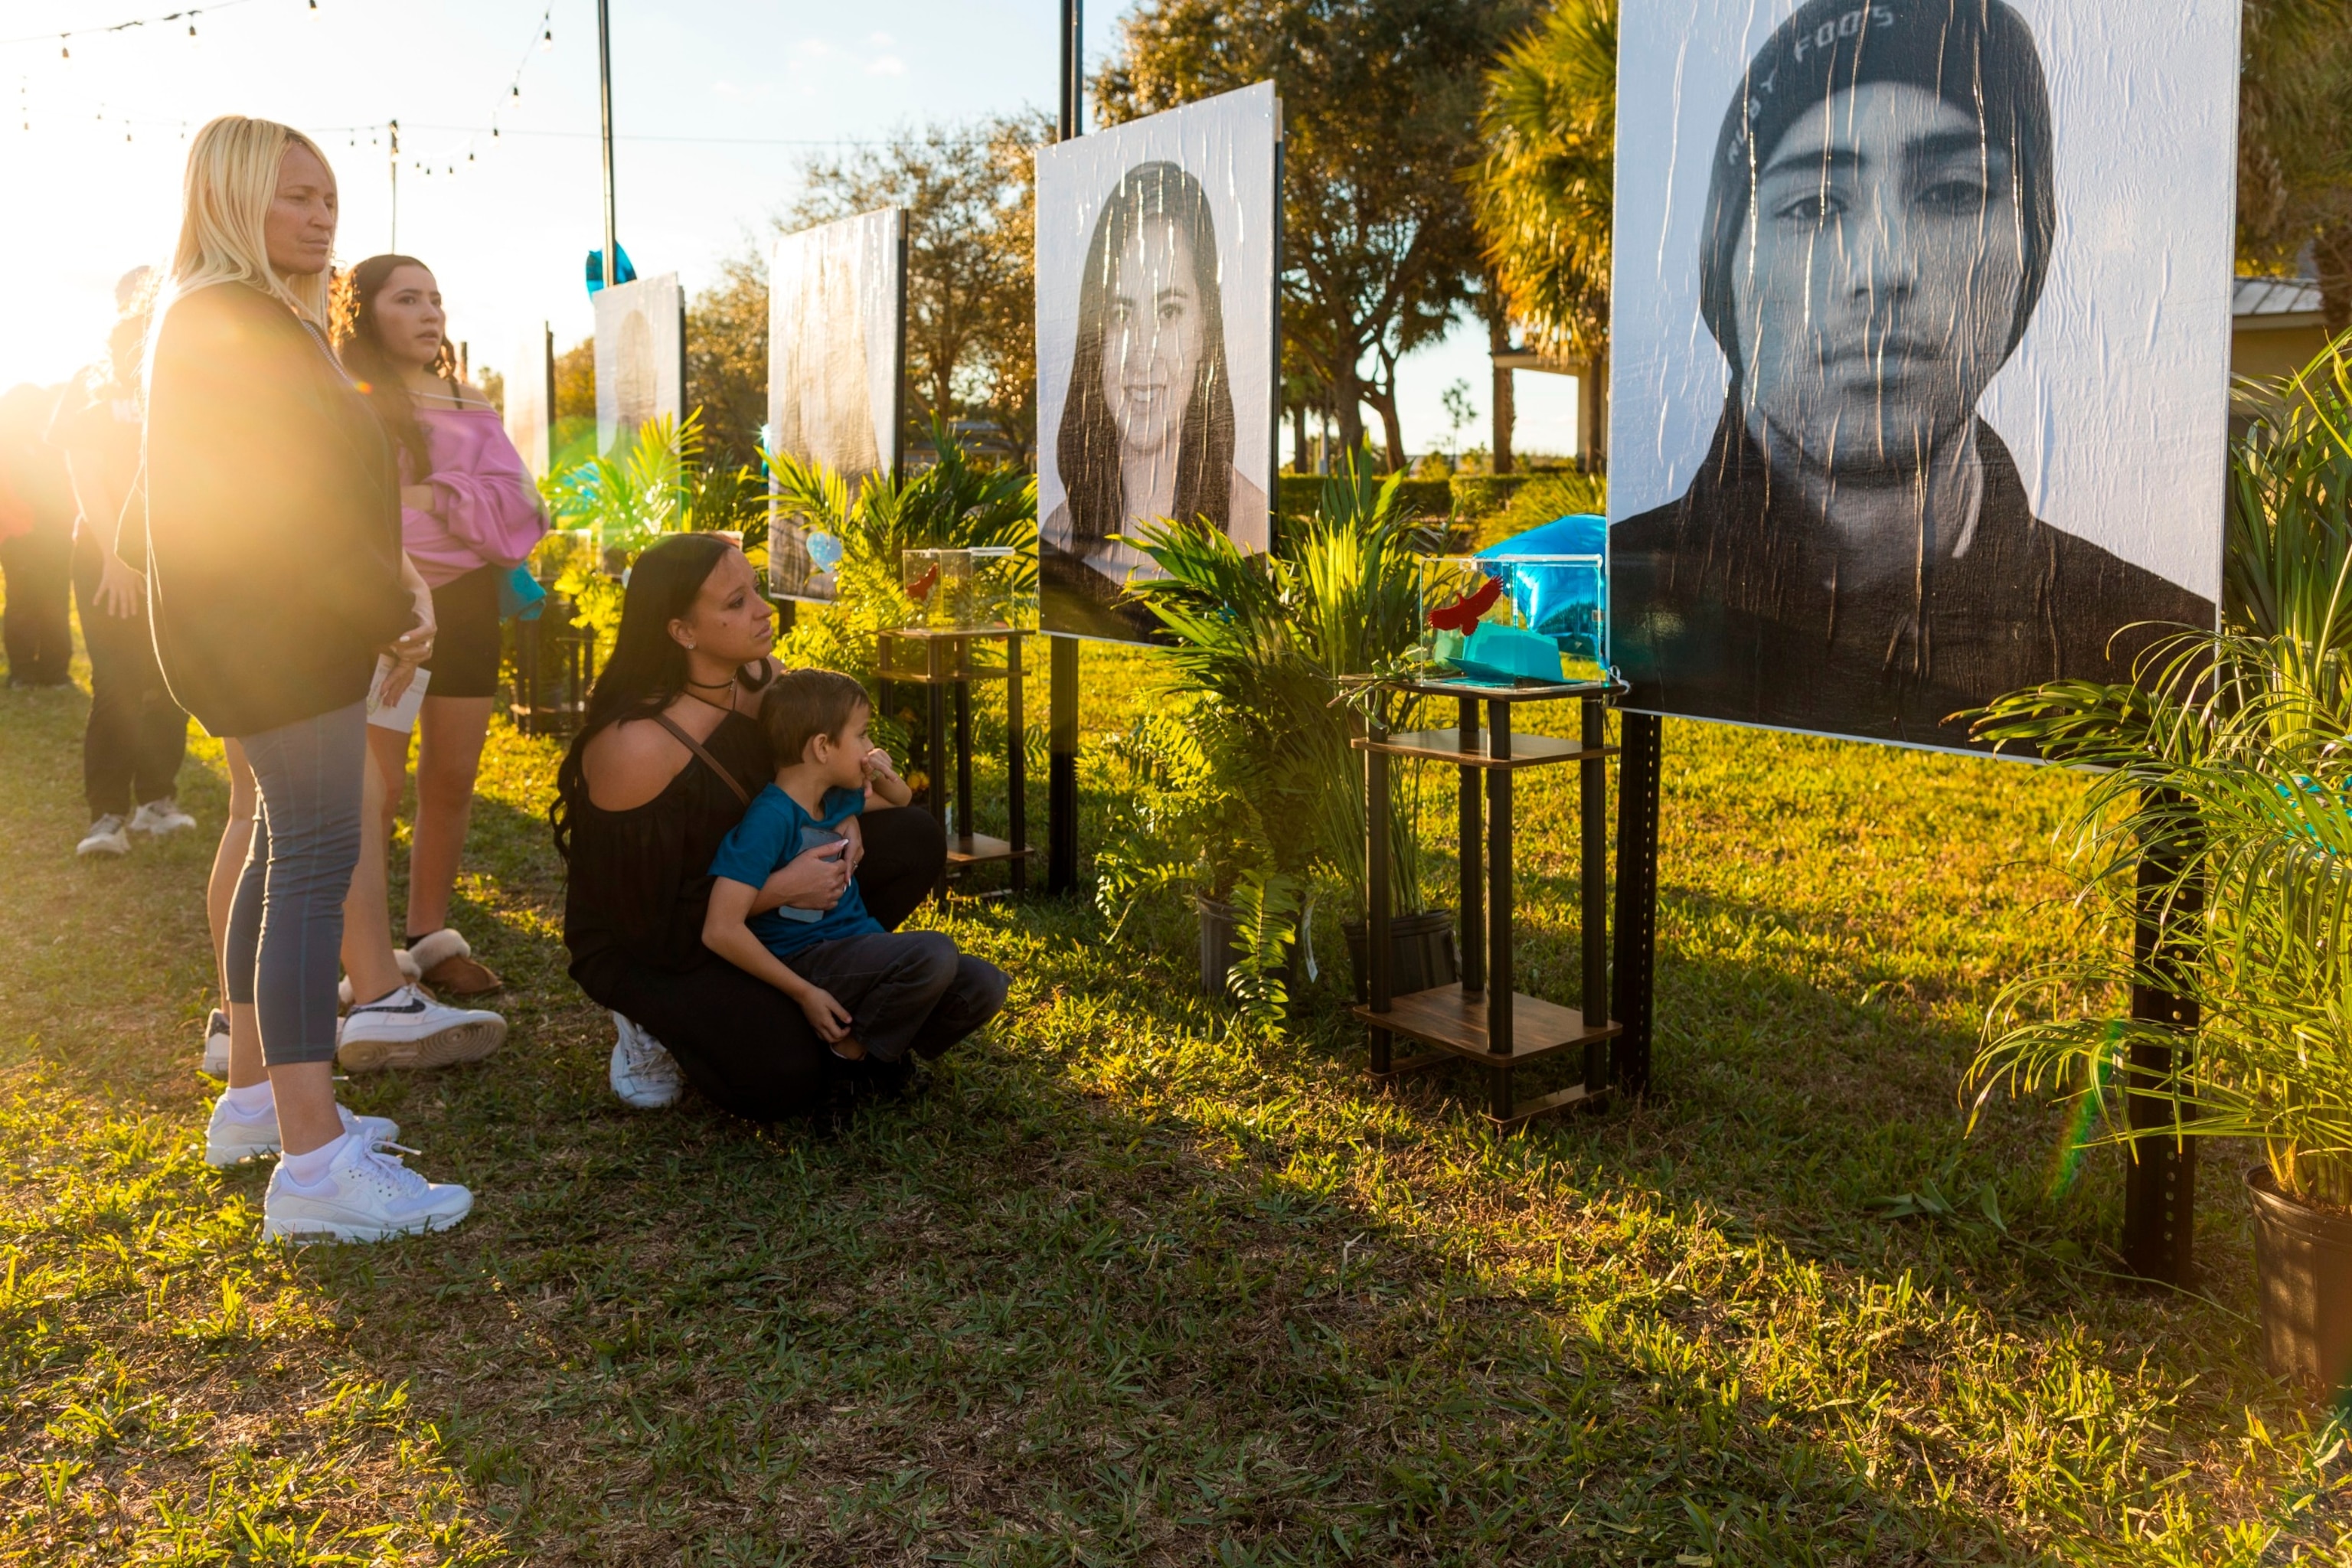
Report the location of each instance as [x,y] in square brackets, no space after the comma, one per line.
[699,750]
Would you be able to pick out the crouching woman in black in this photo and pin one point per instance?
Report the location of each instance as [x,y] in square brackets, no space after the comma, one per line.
[670,754]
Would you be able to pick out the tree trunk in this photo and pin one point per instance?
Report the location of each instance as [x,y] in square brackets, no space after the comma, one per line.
[1347,402]
[1392,429]
[1498,340]
[1298,463]
[2331,252]
[1381,396]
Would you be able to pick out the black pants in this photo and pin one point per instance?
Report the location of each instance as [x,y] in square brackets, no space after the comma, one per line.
[137,736]
[743,1044]
[34,628]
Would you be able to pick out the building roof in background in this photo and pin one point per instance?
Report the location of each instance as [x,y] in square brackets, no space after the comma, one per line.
[2268,299]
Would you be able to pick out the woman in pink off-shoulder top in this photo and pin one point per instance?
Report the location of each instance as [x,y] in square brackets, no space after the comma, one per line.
[469,515]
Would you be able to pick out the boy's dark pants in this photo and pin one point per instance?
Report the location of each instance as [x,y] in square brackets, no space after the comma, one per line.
[907,991]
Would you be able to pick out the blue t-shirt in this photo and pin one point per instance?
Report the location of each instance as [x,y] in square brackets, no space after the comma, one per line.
[774,831]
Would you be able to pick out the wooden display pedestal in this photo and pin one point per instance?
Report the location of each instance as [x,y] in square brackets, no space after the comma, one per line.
[1482,1020]
[945,662]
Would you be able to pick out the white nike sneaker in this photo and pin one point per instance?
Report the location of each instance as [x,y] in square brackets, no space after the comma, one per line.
[401,959]
[161,818]
[367,1195]
[105,836]
[228,1140]
[644,1074]
[216,1044]
[408,1029]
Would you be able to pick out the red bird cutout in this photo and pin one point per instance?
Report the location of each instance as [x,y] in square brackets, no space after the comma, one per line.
[920,590]
[1465,612]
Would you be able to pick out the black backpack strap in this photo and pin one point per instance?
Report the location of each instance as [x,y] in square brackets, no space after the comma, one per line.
[699,750]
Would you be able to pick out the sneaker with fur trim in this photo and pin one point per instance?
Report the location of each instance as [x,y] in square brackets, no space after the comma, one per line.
[446,961]
[409,1029]
[367,1195]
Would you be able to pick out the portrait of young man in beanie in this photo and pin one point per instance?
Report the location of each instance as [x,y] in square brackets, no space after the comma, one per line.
[1857,551]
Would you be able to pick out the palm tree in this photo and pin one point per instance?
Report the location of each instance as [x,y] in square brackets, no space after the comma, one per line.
[1543,193]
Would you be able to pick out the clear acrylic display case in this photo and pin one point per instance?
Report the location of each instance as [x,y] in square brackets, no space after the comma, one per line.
[982,589]
[1539,619]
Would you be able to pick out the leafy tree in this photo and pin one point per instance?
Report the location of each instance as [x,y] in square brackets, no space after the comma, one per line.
[575,381]
[1543,190]
[727,360]
[1380,102]
[2295,144]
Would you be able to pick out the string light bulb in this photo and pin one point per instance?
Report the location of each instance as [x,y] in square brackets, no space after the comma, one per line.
[546,39]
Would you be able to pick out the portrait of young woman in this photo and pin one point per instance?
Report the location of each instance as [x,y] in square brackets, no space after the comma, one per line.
[1156,345]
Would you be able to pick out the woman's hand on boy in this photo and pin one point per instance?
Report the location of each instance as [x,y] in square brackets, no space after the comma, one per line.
[813,879]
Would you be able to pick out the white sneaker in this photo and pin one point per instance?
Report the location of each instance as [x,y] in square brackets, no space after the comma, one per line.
[105,836]
[161,818]
[401,959]
[228,1140]
[644,1074]
[408,1029]
[216,1044]
[367,1195]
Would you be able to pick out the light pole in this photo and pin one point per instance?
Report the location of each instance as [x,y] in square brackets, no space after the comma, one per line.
[393,243]
[604,102]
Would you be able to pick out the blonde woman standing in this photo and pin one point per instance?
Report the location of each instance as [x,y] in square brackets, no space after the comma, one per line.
[275,580]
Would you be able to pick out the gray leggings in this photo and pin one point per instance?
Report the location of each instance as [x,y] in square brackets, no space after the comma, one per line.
[286,924]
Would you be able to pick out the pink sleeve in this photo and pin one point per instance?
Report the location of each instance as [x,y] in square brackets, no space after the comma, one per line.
[489,500]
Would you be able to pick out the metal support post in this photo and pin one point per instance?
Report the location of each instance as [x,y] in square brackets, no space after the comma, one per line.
[1016,767]
[1499,976]
[1593,875]
[1470,916]
[1377,943]
[1632,999]
[2160,1177]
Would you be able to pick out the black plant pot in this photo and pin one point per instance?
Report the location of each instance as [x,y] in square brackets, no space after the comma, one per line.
[2302,1266]
[1221,949]
[1421,953]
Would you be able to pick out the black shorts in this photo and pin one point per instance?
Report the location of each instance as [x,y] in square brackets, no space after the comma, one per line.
[465,661]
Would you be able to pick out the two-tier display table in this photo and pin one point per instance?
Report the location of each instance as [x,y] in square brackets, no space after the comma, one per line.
[1482,1020]
[945,663]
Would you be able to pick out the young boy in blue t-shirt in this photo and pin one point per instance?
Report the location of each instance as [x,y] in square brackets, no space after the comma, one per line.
[867,991]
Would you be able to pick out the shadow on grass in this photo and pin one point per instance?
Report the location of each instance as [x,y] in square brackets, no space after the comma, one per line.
[1126,1284]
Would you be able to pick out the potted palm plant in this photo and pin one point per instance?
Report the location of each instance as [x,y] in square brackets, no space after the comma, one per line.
[1266,644]
[2220,828]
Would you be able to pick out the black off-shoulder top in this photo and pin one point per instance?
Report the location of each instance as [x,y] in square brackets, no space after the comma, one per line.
[640,878]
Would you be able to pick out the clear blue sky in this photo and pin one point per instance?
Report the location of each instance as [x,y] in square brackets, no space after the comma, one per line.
[717,103]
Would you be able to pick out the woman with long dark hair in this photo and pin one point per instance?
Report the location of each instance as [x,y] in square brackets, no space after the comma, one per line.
[469,515]
[670,754]
[275,582]
[1146,427]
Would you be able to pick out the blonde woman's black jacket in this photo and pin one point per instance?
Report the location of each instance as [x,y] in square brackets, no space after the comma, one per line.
[273,516]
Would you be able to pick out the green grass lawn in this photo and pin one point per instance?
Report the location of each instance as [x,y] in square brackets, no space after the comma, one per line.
[1128,1284]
